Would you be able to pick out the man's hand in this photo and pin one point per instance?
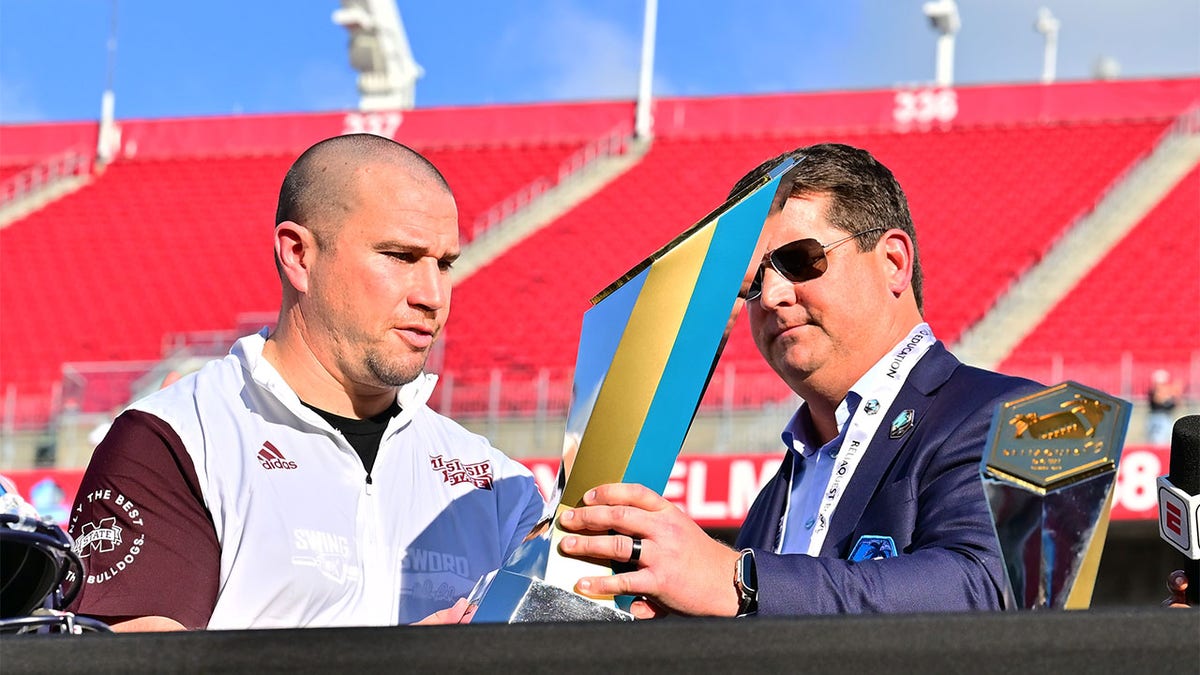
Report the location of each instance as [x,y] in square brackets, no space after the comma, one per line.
[452,614]
[144,624]
[680,568]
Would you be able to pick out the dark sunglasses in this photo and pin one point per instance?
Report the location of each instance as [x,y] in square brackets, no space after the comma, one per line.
[800,260]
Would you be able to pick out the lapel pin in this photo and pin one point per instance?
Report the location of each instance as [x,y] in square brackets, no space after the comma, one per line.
[903,422]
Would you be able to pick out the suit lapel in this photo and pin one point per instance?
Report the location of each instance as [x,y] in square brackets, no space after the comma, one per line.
[930,373]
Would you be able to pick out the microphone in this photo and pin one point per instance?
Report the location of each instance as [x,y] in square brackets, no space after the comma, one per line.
[1179,500]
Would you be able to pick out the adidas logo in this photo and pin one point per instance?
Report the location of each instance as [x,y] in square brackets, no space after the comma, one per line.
[271,458]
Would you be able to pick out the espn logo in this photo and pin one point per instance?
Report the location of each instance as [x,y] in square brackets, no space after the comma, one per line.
[271,458]
[1177,512]
[1173,521]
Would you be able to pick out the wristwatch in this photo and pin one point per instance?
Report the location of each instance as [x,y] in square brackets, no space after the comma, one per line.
[745,581]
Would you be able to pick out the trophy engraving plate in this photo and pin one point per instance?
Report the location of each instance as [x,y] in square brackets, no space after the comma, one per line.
[1057,436]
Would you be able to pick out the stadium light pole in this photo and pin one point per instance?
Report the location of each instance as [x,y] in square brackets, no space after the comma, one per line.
[380,52]
[943,16]
[1048,26]
[109,137]
[643,121]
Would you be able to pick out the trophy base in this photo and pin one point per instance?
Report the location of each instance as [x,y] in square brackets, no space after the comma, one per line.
[1051,542]
[512,598]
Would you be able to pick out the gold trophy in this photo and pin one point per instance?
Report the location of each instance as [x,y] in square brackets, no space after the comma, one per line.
[1049,474]
[646,352]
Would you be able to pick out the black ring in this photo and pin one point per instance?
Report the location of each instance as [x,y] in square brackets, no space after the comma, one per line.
[635,550]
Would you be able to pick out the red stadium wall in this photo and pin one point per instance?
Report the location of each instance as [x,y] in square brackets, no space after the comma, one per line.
[673,117]
[922,108]
[28,143]
[291,133]
[714,490]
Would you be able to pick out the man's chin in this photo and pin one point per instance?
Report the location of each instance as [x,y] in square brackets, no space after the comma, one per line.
[396,373]
[793,365]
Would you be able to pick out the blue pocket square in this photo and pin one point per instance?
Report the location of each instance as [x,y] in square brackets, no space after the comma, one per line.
[873,547]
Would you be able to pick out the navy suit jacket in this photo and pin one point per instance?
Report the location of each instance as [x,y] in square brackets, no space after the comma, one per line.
[922,489]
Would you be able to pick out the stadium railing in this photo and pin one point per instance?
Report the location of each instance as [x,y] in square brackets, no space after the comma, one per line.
[615,142]
[69,163]
[498,394]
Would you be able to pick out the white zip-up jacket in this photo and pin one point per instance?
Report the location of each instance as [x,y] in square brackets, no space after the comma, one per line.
[304,536]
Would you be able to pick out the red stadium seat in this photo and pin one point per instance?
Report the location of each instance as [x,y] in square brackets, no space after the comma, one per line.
[7,171]
[1018,187]
[173,242]
[1143,297]
[154,247]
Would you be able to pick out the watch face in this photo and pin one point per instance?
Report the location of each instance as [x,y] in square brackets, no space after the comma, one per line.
[748,572]
[747,583]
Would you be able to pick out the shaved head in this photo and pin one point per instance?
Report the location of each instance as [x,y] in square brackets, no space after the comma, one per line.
[319,188]
[366,238]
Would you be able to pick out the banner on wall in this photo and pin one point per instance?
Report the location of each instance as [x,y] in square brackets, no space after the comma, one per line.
[715,490]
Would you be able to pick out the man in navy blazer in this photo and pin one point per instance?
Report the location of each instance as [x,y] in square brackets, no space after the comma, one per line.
[922,490]
[878,505]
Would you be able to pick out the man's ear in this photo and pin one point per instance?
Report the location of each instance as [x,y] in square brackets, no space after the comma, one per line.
[898,253]
[294,249]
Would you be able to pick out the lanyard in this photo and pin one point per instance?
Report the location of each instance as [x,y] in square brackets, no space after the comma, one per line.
[878,389]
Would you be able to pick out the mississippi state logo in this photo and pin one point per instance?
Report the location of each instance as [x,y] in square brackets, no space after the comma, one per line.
[112,547]
[103,536]
[455,472]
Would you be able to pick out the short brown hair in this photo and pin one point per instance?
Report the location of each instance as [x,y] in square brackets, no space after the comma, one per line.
[864,194]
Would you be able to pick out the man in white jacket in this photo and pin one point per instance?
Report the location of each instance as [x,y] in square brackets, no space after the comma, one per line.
[302,480]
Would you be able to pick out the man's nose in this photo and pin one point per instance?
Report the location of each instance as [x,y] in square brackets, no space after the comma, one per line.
[431,285]
[776,290]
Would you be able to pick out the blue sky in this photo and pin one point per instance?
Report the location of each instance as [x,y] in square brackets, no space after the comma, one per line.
[183,58]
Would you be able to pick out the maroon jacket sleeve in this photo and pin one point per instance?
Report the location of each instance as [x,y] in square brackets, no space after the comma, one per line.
[139,522]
